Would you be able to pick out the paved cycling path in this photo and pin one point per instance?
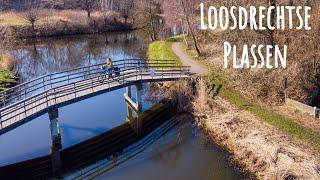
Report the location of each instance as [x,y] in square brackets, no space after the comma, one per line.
[187,60]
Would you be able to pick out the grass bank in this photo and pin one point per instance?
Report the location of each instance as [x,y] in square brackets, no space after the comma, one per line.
[219,78]
[161,52]
[51,23]
[7,77]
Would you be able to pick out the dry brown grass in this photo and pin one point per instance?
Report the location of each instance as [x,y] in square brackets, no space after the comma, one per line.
[181,94]
[6,62]
[51,16]
[258,147]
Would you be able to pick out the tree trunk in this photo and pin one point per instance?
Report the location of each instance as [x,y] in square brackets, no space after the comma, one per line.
[270,32]
[153,30]
[195,43]
[184,35]
[33,29]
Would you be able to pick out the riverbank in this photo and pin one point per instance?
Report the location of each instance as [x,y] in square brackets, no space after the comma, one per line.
[15,26]
[263,142]
[280,119]
[7,76]
[258,147]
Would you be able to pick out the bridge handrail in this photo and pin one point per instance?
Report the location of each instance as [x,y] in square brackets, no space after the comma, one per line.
[46,80]
[47,95]
[133,72]
[75,69]
[51,75]
[60,79]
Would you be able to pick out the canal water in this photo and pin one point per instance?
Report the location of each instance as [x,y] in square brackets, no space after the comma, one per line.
[182,153]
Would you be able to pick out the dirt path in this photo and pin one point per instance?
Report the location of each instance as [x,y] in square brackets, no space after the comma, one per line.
[188,61]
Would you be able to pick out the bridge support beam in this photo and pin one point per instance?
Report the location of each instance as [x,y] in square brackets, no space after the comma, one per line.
[56,143]
[138,96]
[128,91]
[137,104]
[134,119]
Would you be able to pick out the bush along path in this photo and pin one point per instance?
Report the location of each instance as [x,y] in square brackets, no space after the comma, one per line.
[267,144]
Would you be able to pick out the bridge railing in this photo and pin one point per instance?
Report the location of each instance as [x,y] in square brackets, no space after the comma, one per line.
[51,92]
[30,88]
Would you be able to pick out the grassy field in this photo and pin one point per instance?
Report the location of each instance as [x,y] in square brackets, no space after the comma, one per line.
[218,77]
[161,52]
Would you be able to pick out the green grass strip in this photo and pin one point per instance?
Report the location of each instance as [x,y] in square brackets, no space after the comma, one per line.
[177,38]
[161,52]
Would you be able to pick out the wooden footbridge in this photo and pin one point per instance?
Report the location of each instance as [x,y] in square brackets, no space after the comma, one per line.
[31,99]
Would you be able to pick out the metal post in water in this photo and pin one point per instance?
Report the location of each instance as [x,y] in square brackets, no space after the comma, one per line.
[56,143]
[128,91]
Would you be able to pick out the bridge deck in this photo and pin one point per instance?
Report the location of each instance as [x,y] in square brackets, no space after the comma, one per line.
[27,109]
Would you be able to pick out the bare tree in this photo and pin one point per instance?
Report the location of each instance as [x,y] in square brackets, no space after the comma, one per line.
[184,5]
[106,5]
[88,6]
[126,9]
[32,16]
[148,15]
[180,13]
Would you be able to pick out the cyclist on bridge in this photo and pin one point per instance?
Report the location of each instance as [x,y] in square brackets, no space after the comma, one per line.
[108,67]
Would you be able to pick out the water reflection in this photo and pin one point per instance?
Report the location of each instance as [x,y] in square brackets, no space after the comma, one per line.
[183,153]
[58,54]
[78,122]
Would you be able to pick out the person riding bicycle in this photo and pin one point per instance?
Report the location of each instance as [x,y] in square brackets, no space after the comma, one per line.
[108,67]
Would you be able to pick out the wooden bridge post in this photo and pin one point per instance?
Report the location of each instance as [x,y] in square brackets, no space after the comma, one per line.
[56,144]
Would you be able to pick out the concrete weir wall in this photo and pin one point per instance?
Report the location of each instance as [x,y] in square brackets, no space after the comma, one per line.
[314,111]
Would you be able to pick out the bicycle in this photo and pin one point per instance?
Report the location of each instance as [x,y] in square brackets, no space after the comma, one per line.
[108,72]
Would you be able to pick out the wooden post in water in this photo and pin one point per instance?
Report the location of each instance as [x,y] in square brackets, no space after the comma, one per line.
[56,144]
